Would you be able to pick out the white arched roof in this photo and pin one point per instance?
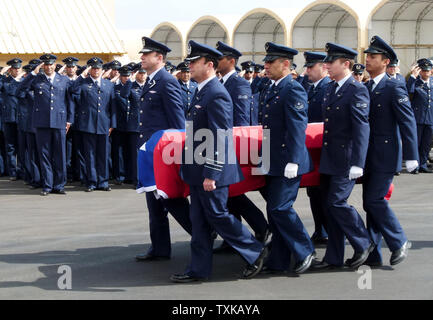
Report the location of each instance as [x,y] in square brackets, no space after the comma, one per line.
[209,30]
[171,36]
[407,25]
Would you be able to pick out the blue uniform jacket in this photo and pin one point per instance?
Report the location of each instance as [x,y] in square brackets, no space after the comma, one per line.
[95,106]
[212,109]
[53,106]
[240,92]
[187,93]
[25,111]
[315,100]
[285,113]
[346,128]
[10,100]
[161,105]
[422,100]
[390,115]
[128,106]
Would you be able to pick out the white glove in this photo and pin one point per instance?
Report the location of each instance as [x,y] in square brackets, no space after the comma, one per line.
[355,172]
[291,170]
[411,165]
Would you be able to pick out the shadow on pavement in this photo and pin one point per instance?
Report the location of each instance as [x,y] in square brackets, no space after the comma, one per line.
[112,269]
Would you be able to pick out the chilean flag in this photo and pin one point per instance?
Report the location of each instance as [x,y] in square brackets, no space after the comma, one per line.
[155,175]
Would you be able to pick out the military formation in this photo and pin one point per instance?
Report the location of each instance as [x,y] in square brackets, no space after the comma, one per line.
[66,123]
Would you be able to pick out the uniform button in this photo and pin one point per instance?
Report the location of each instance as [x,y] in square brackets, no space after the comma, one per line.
[186,148]
[141,136]
[266,115]
[265,127]
[99,110]
[260,113]
[283,145]
[52,108]
[338,108]
[141,111]
[52,95]
[326,131]
[329,108]
[325,144]
[267,106]
[264,138]
[342,145]
[52,101]
[378,105]
[326,120]
[99,98]
[386,141]
[99,104]
[141,123]
[142,99]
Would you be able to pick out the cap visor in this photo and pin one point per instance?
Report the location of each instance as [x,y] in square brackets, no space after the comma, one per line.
[192,58]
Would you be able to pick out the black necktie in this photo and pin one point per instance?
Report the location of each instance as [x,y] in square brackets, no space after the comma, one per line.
[311,91]
[222,80]
[370,85]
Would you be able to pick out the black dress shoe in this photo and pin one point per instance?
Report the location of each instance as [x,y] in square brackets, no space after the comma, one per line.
[185,278]
[252,270]
[13,179]
[304,265]
[416,171]
[360,257]
[34,187]
[45,193]
[371,264]
[322,265]
[397,174]
[90,190]
[118,182]
[104,189]
[425,170]
[400,254]
[149,257]
[266,270]
[224,248]
[59,192]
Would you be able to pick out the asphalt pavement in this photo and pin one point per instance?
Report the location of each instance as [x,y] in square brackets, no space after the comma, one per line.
[82,246]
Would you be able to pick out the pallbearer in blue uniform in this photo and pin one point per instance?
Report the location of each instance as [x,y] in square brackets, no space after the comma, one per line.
[212,110]
[421,92]
[318,75]
[160,108]
[128,96]
[345,142]
[9,117]
[53,114]
[358,72]
[240,92]
[188,86]
[285,115]
[96,119]
[392,139]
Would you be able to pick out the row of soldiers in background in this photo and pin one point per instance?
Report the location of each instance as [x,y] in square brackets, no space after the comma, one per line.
[22,157]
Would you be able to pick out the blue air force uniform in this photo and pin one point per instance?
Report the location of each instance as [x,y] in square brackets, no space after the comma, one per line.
[9,119]
[284,114]
[188,89]
[392,138]
[239,90]
[2,140]
[345,144]
[95,116]
[161,108]
[316,94]
[212,109]
[127,133]
[421,93]
[53,108]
